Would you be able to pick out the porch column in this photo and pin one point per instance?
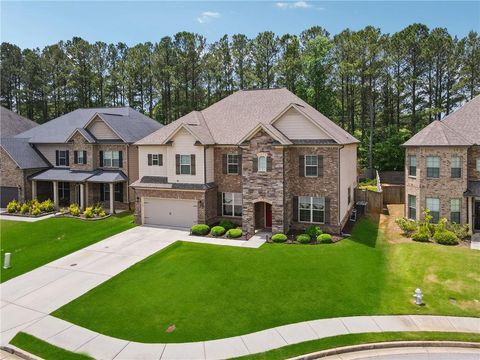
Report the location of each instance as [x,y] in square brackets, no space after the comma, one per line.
[112,195]
[55,194]
[34,189]
[470,211]
[82,197]
[86,194]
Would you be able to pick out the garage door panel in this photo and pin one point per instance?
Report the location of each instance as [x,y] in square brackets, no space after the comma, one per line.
[169,212]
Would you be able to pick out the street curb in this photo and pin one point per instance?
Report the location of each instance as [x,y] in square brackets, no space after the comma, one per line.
[387,345]
[20,353]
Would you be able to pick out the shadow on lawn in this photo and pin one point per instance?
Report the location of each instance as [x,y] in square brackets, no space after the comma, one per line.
[366,231]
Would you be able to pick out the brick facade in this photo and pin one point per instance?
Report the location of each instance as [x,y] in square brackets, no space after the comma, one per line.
[473,156]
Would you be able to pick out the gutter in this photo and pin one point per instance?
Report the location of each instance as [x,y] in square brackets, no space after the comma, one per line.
[338,185]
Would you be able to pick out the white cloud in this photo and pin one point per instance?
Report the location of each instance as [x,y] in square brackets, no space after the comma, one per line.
[295,5]
[207,16]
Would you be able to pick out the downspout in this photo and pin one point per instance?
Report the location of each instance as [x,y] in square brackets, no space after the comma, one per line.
[338,186]
[128,177]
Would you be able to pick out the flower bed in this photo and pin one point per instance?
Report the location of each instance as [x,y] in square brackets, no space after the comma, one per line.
[224,230]
[312,235]
[32,208]
[95,212]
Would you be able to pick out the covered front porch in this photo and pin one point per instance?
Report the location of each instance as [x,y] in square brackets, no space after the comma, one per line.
[473,205]
[85,188]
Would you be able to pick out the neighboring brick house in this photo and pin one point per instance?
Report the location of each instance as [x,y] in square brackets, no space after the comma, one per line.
[88,156]
[443,168]
[18,159]
[262,158]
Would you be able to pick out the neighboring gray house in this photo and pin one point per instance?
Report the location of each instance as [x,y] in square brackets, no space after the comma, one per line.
[443,168]
[86,155]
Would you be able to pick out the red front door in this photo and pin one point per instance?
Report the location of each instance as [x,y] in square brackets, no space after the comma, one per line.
[268,215]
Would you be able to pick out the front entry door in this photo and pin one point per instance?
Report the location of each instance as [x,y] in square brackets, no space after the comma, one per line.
[268,215]
[477,215]
[64,193]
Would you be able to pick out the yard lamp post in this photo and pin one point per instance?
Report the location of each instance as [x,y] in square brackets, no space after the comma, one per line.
[418,297]
[6,262]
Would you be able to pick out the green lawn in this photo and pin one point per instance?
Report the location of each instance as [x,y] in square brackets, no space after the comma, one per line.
[38,243]
[212,292]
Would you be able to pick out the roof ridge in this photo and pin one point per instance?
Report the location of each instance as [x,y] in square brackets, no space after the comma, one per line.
[454,131]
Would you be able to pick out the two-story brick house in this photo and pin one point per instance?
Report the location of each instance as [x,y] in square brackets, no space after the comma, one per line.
[442,168]
[88,156]
[263,158]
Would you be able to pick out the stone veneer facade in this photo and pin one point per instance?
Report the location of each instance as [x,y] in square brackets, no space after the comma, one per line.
[445,188]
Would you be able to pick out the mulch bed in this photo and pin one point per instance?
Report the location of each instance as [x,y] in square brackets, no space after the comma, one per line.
[81,217]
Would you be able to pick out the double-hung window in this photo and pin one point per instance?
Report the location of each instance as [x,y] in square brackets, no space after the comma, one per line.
[456,167]
[117,190]
[185,165]
[232,163]
[311,209]
[62,158]
[412,207]
[262,163]
[231,204]
[111,159]
[433,204]
[311,165]
[433,166]
[81,158]
[155,159]
[455,211]
[478,165]
[412,166]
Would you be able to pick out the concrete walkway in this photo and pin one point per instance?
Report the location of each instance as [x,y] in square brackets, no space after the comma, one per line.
[27,300]
[475,243]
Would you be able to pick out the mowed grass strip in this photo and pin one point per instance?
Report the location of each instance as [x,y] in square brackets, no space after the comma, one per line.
[38,243]
[212,292]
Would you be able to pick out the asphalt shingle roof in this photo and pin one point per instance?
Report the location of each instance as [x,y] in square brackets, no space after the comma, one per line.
[437,133]
[12,124]
[229,120]
[23,154]
[108,177]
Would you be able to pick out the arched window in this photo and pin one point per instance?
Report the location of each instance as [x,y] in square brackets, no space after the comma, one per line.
[262,163]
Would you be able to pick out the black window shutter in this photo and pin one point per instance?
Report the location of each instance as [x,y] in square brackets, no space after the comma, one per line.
[301,165]
[101,158]
[269,163]
[224,163]
[75,157]
[219,203]
[192,165]
[255,164]
[150,160]
[160,160]
[295,208]
[327,211]
[68,158]
[102,193]
[84,157]
[120,159]
[177,164]
[57,155]
[320,165]
[239,164]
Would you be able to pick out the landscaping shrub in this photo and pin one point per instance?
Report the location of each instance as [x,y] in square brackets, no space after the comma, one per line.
[407,226]
[102,213]
[234,233]
[74,209]
[97,208]
[445,237]
[313,231]
[227,224]
[461,231]
[304,239]
[13,206]
[279,238]
[200,229]
[324,239]
[421,236]
[88,212]
[217,231]
[36,210]
[47,206]
[24,209]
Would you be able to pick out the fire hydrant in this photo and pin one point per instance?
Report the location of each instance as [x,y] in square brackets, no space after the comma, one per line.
[418,297]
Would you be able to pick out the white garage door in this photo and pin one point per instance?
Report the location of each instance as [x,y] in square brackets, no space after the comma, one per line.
[169,212]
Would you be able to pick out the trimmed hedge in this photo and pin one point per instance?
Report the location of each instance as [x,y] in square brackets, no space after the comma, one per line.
[279,238]
[234,233]
[304,239]
[324,239]
[200,229]
[227,224]
[445,237]
[217,231]
[421,236]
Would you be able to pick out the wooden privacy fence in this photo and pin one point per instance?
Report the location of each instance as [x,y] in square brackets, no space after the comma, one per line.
[374,200]
[385,194]
[393,194]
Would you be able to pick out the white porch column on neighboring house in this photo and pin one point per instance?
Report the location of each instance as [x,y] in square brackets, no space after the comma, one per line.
[55,194]
[82,196]
[34,190]
[112,195]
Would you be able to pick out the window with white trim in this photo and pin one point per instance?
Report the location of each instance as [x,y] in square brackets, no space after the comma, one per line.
[455,211]
[311,165]
[478,164]
[111,159]
[311,209]
[433,166]
[412,166]
[456,167]
[232,163]
[262,163]
[62,158]
[433,204]
[156,159]
[412,207]
[185,165]
[81,158]
[232,204]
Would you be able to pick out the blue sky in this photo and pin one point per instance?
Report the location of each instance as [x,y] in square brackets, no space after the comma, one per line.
[39,23]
